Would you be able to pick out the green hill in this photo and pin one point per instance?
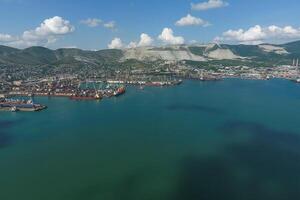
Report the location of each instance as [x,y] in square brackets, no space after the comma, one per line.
[266,54]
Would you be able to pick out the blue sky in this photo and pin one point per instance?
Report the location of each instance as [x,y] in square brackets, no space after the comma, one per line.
[278,21]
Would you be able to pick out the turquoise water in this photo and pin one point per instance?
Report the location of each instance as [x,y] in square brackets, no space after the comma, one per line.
[232,139]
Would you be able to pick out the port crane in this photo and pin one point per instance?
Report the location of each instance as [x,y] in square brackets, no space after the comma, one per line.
[296,65]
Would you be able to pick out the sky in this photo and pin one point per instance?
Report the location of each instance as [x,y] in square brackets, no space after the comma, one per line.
[100,24]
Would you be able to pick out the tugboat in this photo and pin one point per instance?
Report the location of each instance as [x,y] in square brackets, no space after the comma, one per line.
[13,109]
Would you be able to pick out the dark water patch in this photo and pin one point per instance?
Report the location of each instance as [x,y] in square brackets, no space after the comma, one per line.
[266,166]
[205,179]
[271,155]
[194,108]
[6,139]
[218,178]
[263,135]
[6,124]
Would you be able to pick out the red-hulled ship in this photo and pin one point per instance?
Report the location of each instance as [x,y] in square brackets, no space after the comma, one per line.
[119,91]
[82,97]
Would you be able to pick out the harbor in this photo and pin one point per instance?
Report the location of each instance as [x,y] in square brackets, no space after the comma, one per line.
[114,85]
[73,89]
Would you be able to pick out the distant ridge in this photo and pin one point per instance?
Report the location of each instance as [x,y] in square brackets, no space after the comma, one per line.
[39,56]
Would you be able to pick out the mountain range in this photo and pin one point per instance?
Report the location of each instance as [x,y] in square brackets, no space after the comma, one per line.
[262,54]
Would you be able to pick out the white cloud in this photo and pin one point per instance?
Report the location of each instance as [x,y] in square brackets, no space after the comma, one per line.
[48,32]
[284,32]
[91,22]
[258,34]
[190,20]
[145,40]
[6,38]
[252,35]
[116,43]
[53,26]
[110,25]
[50,27]
[193,42]
[132,45]
[167,36]
[210,4]
[94,22]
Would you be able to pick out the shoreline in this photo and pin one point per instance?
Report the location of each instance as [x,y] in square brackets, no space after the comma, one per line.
[141,84]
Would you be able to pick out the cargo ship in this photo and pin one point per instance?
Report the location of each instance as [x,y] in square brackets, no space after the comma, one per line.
[20,105]
[119,91]
[85,97]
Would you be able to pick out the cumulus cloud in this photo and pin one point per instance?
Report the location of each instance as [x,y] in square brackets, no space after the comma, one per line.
[252,35]
[91,22]
[190,20]
[110,25]
[50,27]
[167,36]
[116,43]
[259,34]
[145,40]
[132,45]
[48,32]
[210,4]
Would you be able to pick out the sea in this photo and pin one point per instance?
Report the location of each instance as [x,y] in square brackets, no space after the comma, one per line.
[224,140]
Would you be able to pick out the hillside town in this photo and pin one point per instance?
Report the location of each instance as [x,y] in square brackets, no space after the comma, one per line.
[22,81]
